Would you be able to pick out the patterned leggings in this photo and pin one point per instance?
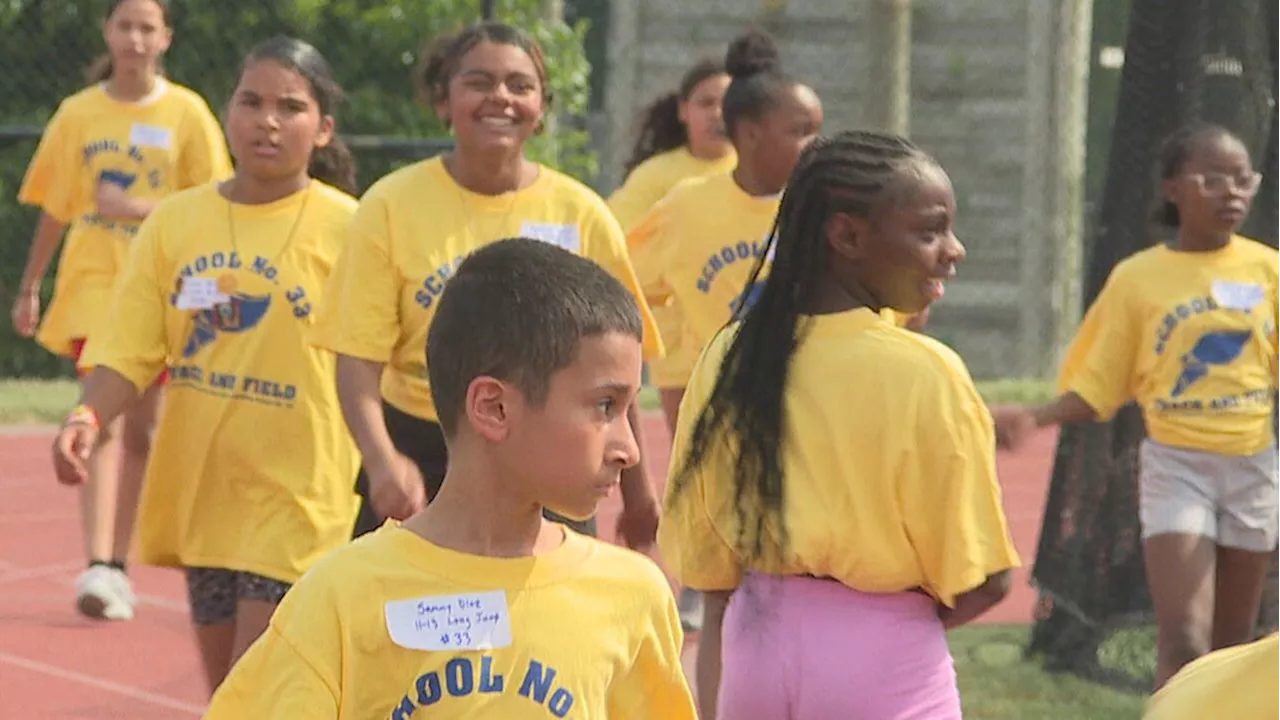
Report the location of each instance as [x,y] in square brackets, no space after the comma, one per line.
[214,592]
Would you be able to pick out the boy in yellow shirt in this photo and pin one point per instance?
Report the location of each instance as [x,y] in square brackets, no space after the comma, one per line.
[477,606]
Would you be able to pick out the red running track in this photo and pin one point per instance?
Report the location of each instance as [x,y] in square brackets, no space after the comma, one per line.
[54,664]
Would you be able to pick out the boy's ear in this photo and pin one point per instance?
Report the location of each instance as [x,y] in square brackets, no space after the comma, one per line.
[488,407]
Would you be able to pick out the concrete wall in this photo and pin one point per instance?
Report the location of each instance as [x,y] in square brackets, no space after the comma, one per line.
[982,103]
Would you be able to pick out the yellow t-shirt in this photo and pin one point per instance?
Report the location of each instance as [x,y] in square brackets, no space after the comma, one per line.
[694,253]
[655,177]
[1239,683]
[1192,338]
[392,626]
[889,464]
[414,227]
[166,142]
[642,189]
[252,464]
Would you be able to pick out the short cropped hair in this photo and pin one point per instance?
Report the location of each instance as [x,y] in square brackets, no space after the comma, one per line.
[516,310]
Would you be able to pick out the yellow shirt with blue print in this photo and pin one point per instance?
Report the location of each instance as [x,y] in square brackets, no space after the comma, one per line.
[252,465]
[166,142]
[1192,338]
[694,253]
[647,184]
[413,229]
[393,626]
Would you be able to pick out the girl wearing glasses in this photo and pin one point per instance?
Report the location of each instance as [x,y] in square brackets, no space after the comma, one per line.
[1187,328]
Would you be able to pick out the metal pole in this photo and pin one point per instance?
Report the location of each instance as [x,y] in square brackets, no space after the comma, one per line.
[889,40]
[487,9]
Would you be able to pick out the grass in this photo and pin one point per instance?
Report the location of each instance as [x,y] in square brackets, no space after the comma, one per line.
[36,401]
[998,682]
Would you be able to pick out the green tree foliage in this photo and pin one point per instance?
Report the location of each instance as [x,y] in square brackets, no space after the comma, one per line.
[373,46]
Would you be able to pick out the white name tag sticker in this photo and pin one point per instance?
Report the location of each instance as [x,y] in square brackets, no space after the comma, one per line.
[1237,295]
[151,136]
[466,621]
[565,236]
[199,293]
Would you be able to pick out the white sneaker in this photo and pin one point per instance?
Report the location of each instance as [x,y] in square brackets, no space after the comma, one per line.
[104,593]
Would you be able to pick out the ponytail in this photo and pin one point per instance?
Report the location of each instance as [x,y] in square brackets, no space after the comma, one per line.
[334,165]
[101,69]
[660,126]
[660,130]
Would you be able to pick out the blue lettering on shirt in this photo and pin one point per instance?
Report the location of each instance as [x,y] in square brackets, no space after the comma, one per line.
[466,676]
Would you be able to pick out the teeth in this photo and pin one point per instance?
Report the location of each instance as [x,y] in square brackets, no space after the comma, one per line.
[496,121]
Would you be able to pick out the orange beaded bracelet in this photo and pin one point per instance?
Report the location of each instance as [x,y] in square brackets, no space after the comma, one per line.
[82,415]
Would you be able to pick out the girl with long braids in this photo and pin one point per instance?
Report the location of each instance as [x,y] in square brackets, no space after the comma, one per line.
[691,262]
[833,476]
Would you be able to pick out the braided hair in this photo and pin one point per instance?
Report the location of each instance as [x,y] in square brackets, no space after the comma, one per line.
[850,172]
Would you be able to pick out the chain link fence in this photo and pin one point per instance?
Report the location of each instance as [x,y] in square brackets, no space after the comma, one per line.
[372,45]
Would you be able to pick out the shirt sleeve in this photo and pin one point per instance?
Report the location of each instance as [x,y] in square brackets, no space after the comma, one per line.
[204,152]
[53,178]
[605,244]
[134,343]
[1099,365]
[693,549]
[284,674]
[647,245]
[656,686]
[360,313]
[633,200]
[950,495]
[273,680]
[1235,682]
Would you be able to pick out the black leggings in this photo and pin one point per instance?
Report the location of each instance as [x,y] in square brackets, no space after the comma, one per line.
[422,441]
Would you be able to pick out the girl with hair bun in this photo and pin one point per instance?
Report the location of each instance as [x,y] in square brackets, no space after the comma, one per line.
[694,250]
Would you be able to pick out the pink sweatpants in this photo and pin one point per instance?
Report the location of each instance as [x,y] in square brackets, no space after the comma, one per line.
[803,648]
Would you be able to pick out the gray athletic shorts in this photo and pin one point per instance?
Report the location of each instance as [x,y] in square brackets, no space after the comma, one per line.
[1230,498]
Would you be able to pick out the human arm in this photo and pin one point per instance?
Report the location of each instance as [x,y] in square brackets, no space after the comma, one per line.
[114,201]
[1097,375]
[395,485]
[51,183]
[971,604]
[126,357]
[44,244]
[638,522]
[359,320]
[707,665]
[107,394]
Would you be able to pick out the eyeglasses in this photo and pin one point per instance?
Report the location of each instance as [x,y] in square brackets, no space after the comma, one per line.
[1219,184]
